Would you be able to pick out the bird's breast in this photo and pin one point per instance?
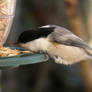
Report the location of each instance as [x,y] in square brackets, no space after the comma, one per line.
[68,53]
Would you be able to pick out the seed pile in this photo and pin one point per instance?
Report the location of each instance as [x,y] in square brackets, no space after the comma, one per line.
[9,52]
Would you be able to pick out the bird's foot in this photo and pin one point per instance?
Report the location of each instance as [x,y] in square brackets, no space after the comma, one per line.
[60,60]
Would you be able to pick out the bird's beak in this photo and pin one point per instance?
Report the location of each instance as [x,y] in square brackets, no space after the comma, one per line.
[16,44]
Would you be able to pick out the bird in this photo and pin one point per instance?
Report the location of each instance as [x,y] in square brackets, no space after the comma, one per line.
[58,42]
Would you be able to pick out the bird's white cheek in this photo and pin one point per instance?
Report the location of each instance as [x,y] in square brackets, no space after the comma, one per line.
[36,45]
[29,45]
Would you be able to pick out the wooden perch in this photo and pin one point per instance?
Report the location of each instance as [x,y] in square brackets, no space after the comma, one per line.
[76,25]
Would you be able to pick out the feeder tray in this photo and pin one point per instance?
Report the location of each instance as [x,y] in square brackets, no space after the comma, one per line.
[22,59]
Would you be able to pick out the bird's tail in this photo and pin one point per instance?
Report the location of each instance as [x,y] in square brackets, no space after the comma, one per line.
[89,52]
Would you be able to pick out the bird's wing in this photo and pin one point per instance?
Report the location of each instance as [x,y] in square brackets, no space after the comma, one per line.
[67,38]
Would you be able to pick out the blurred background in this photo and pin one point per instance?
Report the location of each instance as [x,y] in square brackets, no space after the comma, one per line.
[75,15]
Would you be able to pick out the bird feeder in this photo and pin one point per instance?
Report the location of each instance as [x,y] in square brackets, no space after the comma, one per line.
[7,13]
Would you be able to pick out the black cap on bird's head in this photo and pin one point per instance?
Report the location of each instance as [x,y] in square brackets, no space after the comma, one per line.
[34,34]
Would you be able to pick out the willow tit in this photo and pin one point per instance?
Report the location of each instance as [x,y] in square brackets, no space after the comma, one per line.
[60,44]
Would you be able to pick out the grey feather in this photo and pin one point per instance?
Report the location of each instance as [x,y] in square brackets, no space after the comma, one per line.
[64,36]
